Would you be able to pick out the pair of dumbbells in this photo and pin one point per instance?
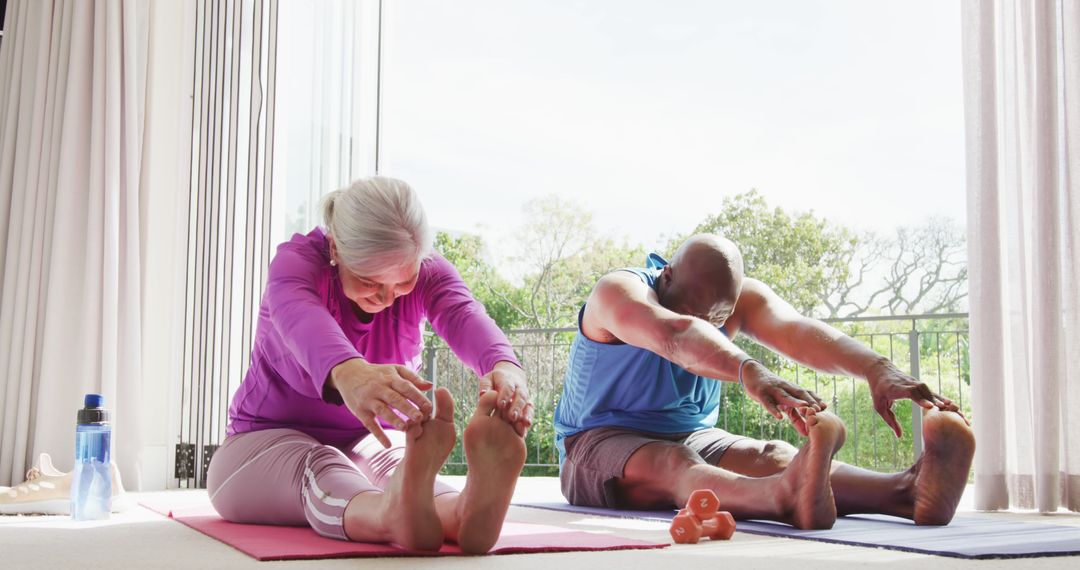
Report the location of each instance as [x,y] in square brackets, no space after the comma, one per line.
[701,517]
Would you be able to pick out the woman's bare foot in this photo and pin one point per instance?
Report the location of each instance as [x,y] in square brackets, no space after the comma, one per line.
[941,473]
[807,477]
[495,454]
[407,503]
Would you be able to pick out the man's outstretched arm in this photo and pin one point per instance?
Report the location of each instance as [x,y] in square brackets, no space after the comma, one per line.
[770,320]
[623,306]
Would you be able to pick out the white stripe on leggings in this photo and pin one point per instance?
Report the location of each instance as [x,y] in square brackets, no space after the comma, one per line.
[325,519]
[324,497]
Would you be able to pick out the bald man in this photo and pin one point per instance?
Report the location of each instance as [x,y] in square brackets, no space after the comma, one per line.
[636,429]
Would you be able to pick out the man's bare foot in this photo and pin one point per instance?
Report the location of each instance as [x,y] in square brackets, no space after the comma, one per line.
[941,473]
[408,503]
[495,454]
[807,477]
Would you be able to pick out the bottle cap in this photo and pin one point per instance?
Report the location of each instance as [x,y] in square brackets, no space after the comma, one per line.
[93,412]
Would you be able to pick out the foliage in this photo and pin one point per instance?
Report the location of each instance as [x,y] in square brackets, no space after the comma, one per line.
[466,253]
[544,357]
[941,346]
[798,256]
[563,257]
[921,269]
[820,267]
[828,270]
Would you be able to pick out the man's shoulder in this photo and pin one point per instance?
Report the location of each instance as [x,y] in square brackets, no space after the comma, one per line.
[627,277]
[754,295]
[754,287]
[609,302]
[753,292]
[617,285]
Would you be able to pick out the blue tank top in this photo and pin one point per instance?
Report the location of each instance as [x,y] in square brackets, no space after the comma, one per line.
[626,386]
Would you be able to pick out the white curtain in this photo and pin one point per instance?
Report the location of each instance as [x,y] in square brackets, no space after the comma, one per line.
[72,99]
[1022,107]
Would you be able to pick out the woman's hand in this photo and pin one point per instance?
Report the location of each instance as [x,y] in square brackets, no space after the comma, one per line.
[382,391]
[514,403]
[778,396]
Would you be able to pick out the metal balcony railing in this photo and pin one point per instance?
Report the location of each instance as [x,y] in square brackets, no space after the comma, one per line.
[933,348]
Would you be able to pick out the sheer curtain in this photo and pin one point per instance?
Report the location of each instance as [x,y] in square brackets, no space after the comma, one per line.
[72,79]
[1022,100]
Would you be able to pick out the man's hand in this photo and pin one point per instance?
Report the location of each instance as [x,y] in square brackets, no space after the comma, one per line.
[888,384]
[778,396]
[514,404]
[382,391]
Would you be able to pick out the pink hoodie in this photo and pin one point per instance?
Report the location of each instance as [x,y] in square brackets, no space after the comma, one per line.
[306,327]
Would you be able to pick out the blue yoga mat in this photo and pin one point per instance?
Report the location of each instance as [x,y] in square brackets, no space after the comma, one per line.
[964,537]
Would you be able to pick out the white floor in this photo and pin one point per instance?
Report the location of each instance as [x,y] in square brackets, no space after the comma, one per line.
[140,538]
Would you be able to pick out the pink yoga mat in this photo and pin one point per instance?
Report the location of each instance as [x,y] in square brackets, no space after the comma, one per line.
[267,542]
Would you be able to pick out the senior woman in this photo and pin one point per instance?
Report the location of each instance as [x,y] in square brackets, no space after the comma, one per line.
[330,427]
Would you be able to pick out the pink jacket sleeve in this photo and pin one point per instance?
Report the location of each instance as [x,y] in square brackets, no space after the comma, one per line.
[461,320]
[300,316]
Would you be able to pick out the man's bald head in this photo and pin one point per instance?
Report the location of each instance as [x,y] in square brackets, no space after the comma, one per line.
[704,278]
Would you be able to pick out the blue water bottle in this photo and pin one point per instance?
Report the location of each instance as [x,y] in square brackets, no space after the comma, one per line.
[91,485]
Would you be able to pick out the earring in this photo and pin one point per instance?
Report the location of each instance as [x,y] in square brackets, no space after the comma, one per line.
[332,263]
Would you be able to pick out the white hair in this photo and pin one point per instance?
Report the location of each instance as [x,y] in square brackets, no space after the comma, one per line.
[378,223]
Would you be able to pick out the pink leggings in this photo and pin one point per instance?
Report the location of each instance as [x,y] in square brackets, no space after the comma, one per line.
[286,477]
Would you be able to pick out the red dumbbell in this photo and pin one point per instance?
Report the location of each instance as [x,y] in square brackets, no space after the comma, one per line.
[700,517]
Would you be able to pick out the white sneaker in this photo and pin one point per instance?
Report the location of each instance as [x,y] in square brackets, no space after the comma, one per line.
[47,491]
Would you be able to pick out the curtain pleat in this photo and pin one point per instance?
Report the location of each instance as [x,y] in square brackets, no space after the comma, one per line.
[72,75]
[1021,61]
[229,216]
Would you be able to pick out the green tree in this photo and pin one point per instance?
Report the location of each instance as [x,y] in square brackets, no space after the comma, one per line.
[799,256]
[563,256]
[560,257]
[466,253]
[927,269]
[829,270]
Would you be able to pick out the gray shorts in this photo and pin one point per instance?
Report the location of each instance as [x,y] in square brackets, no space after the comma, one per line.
[595,459]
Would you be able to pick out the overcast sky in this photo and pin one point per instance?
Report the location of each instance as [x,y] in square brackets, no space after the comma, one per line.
[649,113]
